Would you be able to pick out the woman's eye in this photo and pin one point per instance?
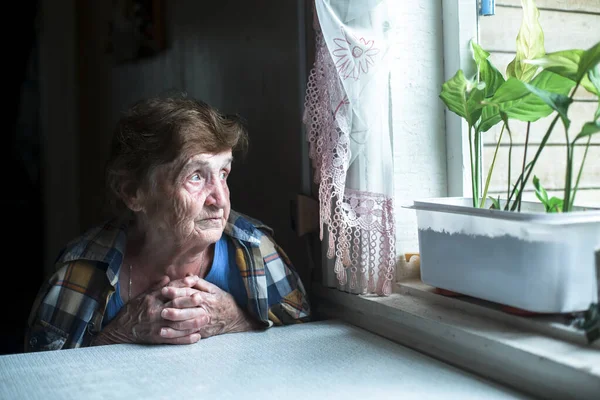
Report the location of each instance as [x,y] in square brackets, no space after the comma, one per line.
[224,175]
[195,177]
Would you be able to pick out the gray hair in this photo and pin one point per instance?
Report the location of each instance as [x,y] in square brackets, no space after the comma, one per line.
[156,131]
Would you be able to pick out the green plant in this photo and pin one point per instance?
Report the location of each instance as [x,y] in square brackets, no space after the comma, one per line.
[552,204]
[535,86]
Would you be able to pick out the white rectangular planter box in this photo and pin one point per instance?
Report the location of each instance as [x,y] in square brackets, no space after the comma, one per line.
[531,260]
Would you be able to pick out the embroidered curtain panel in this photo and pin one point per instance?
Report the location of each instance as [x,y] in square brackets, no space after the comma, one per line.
[350,141]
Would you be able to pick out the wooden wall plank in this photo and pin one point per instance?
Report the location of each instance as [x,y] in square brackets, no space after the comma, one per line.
[579,114]
[562,30]
[568,5]
[550,167]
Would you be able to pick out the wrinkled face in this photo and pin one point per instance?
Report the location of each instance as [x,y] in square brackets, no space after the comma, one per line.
[191,200]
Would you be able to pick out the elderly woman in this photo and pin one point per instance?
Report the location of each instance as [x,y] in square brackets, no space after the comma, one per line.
[175,264]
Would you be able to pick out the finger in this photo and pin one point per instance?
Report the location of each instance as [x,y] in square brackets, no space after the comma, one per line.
[185,301]
[171,292]
[176,314]
[188,281]
[191,339]
[206,286]
[170,333]
[191,324]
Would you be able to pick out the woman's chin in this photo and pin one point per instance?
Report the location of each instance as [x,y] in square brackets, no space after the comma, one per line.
[210,224]
[209,234]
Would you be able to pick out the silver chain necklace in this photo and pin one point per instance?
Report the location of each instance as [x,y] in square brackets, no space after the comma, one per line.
[129,294]
[130,265]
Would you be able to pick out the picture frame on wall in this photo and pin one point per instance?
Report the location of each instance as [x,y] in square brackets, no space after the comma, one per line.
[136,29]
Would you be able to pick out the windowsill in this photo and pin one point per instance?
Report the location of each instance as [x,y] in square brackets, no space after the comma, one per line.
[534,355]
[552,326]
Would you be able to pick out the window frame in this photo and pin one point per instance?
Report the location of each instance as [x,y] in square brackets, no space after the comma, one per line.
[429,323]
[460,25]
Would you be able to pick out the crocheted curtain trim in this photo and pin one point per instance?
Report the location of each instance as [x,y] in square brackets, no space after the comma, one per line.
[360,224]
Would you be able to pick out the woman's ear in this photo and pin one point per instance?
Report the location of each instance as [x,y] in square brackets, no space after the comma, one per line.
[131,196]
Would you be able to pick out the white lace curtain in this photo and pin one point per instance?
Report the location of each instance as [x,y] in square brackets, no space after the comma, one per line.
[349,133]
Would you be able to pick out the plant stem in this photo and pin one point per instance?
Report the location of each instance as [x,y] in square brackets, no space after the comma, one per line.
[514,190]
[473,176]
[568,177]
[567,202]
[587,146]
[489,175]
[539,151]
[535,158]
[510,145]
[524,162]
[477,150]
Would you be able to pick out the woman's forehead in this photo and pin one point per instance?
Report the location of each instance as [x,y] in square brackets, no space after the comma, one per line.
[209,159]
[204,160]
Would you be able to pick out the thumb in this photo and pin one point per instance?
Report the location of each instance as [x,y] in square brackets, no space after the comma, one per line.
[188,281]
[206,286]
[160,283]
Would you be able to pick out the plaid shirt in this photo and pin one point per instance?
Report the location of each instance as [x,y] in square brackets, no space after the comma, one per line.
[69,308]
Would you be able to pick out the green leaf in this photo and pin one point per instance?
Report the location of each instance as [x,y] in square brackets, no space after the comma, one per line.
[518,101]
[495,203]
[589,60]
[590,79]
[463,97]
[540,192]
[474,102]
[530,43]
[554,204]
[591,128]
[588,129]
[593,76]
[564,63]
[559,102]
[487,72]
[490,116]
[585,82]
[454,94]
[594,79]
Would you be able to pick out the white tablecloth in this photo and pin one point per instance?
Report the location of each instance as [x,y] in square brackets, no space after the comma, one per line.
[318,360]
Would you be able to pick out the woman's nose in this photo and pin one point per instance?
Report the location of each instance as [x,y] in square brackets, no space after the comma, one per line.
[217,195]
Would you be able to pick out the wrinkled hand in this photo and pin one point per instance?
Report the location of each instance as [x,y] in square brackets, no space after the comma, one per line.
[203,308]
[140,320]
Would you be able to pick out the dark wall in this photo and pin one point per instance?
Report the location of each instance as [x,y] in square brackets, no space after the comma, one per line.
[243,57]
[246,58]
[22,184]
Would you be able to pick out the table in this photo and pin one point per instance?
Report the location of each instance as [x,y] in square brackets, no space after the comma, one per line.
[318,360]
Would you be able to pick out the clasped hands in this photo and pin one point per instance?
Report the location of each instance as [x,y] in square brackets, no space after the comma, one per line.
[177,312]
